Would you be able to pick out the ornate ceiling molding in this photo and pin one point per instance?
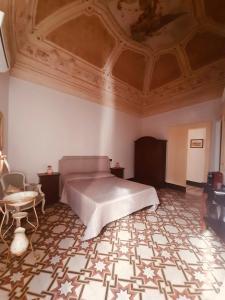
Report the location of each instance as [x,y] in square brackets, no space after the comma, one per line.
[78,47]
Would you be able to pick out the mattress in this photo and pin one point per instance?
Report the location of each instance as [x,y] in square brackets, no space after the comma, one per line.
[99,198]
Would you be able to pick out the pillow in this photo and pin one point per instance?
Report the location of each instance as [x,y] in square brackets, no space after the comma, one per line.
[12,189]
[89,175]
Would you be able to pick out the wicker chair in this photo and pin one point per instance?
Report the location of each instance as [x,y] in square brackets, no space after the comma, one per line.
[15,182]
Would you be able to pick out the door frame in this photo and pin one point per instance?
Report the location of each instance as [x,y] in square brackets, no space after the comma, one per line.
[208,126]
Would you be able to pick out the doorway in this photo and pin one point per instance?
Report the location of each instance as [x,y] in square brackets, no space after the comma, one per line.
[196,156]
[182,164]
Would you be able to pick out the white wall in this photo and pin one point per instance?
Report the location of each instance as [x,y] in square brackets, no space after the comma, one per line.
[158,125]
[4,90]
[45,125]
[196,156]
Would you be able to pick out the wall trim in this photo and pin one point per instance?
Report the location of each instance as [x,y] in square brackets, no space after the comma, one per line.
[194,183]
[176,187]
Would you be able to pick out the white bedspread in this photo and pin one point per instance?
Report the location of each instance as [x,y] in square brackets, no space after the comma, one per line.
[103,199]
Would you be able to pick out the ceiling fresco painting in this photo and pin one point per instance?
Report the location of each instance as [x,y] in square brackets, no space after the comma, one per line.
[149,56]
[156,23]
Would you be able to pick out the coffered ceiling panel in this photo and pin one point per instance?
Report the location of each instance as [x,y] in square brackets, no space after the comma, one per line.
[47,7]
[139,56]
[130,67]
[205,48]
[216,10]
[85,37]
[166,69]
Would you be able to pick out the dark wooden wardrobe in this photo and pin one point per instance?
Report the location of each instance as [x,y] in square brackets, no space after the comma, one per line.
[150,161]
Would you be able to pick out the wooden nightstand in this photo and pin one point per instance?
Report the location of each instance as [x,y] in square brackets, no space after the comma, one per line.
[119,172]
[50,186]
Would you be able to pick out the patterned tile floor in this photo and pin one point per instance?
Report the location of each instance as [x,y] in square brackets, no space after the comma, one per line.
[147,255]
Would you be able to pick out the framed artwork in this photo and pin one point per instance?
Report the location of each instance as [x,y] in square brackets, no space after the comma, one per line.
[196,143]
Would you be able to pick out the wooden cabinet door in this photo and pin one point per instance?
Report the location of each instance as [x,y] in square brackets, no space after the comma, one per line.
[150,160]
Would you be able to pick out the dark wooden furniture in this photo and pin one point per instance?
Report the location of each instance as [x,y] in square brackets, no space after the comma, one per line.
[118,171]
[215,220]
[150,161]
[50,186]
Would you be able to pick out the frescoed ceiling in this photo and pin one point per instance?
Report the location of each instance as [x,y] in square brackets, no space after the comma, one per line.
[154,23]
[139,56]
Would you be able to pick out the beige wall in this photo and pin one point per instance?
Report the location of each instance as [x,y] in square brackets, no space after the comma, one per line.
[196,156]
[222,161]
[4,90]
[177,152]
[158,125]
[45,124]
[176,159]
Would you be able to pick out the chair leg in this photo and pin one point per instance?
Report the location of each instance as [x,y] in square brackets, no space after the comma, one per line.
[7,218]
[43,206]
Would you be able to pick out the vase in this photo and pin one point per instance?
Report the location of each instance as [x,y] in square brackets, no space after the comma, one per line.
[117,165]
[49,170]
[20,242]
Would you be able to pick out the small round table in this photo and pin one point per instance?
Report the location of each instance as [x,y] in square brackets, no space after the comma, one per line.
[16,204]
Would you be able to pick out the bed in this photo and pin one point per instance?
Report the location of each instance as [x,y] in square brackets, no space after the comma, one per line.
[97,196]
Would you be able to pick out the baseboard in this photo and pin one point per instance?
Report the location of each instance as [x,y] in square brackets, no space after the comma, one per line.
[176,187]
[131,179]
[197,184]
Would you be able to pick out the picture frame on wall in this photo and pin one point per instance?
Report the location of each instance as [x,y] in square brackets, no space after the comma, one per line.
[196,143]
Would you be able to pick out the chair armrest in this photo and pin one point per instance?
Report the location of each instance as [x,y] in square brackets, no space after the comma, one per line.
[219,193]
[36,187]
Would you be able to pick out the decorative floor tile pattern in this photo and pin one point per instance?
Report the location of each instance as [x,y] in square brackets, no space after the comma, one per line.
[148,255]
